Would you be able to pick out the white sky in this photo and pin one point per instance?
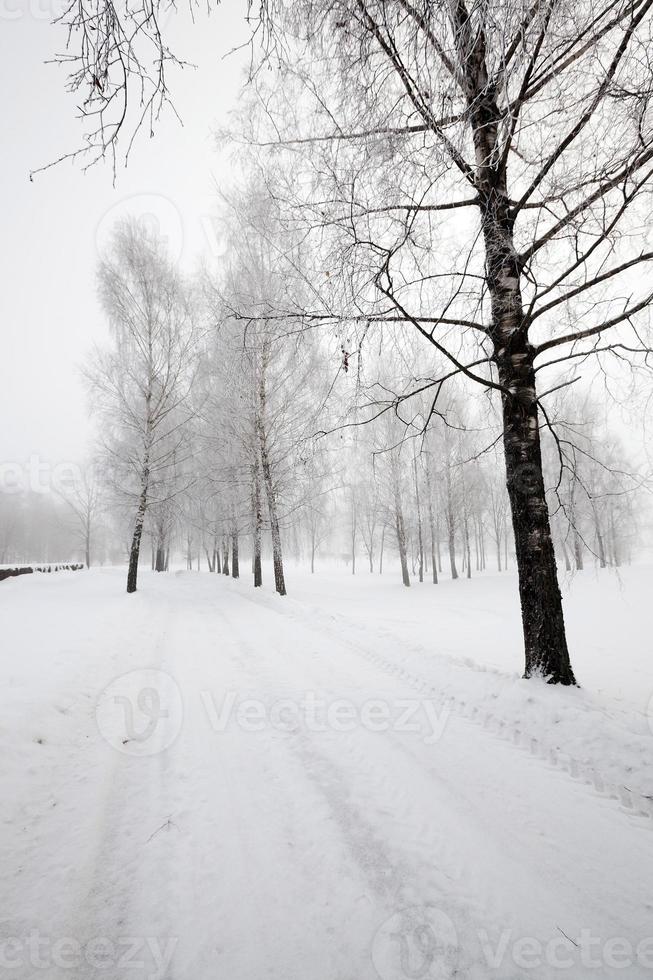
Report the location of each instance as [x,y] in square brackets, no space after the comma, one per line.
[49,315]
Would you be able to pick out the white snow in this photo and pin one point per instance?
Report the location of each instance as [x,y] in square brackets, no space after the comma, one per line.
[206,782]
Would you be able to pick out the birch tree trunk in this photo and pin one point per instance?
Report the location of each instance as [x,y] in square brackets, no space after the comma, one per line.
[600,543]
[235,566]
[266,467]
[467,552]
[87,543]
[614,539]
[497,534]
[420,540]
[160,556]
[545,642]
[467,545]
[399,523]
[134,551]
[434,556]
[258,524]
[450,524]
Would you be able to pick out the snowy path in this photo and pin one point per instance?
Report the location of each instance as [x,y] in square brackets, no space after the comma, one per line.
[310,817]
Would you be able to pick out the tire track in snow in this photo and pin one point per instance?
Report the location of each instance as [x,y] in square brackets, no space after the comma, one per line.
[402,852]
[630,803]
[287,852]
[271,911]
[123,907]
[558,875]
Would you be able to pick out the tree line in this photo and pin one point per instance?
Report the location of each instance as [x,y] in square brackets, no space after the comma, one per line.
[476,174]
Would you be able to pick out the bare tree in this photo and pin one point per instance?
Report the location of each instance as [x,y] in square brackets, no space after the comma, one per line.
[396,486]
[433,525]
[418,513]
[529,122]
[84,499]
[526,121]
[369,501]
[142,382]
[117,61]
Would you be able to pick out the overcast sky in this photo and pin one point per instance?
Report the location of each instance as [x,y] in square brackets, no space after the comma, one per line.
[49,314]
[51,226]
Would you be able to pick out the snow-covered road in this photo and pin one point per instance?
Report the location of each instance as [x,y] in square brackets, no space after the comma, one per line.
[213,784]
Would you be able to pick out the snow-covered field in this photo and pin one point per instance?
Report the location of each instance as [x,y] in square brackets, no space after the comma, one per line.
[204,782]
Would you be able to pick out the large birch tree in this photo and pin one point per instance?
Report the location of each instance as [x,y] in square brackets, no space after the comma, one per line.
[481,171]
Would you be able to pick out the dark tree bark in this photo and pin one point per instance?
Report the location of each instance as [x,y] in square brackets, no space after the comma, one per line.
[399,524]
[134,552]
[160,557]
[545,641]
[235,565]
[600,542]
[467,560]
[420,540]
[401,543]
[497,533]
[266,468]
[578,550]
[543,625]
[258,524]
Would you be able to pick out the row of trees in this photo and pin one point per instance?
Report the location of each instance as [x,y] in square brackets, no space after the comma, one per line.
[221,425]
[476,173]
[338,501]
[55,527]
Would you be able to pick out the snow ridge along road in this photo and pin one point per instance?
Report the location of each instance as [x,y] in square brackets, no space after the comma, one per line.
[208,782]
